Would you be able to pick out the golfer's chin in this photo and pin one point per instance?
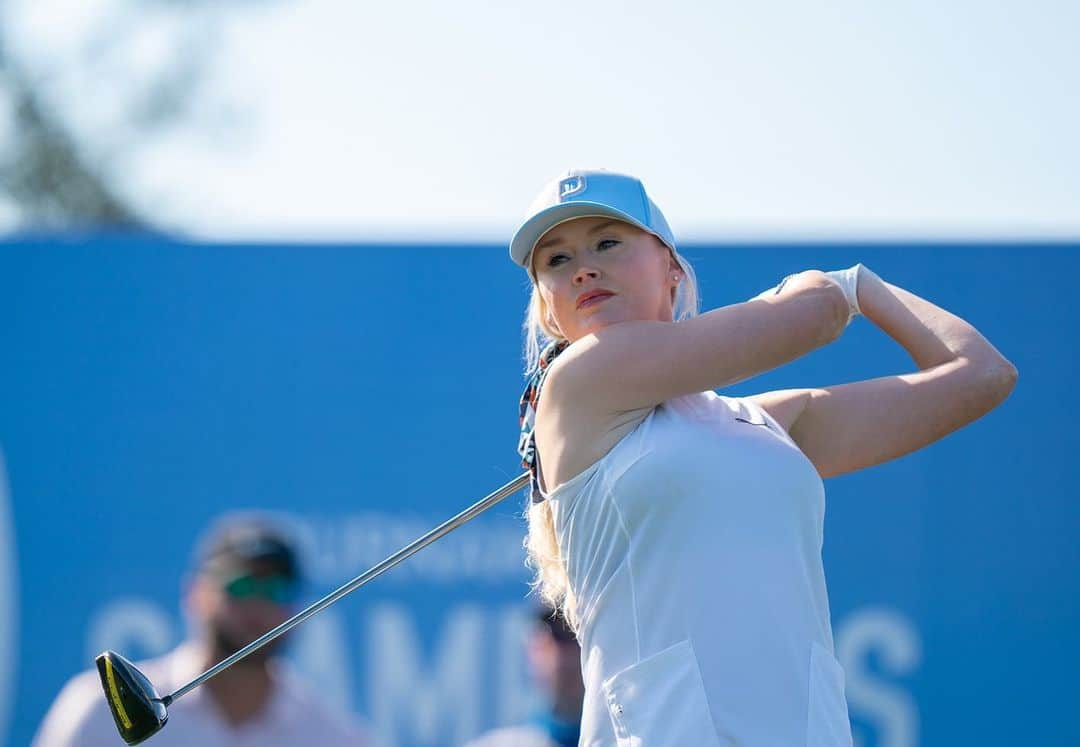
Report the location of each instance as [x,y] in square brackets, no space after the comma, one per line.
[601,318]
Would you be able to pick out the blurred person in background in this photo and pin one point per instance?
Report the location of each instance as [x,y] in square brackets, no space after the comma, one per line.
[555,660]
[246,581]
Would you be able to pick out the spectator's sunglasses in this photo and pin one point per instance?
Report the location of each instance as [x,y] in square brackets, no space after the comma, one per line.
[277,588]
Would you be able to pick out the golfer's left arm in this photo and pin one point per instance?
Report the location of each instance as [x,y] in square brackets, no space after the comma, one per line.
[848,427]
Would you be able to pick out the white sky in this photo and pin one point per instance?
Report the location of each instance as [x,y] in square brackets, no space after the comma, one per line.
[783,119]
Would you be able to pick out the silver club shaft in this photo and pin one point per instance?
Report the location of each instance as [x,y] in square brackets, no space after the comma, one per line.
[443,529]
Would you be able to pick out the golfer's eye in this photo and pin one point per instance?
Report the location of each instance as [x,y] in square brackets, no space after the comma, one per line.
[606,244]
[557,259]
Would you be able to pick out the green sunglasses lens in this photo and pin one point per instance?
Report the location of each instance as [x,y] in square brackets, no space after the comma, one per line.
[279,589]
[240,587]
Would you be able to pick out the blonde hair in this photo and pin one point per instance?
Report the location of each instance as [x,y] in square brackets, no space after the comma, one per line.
[541,543]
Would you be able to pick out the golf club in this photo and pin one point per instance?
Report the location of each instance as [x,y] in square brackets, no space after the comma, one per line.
[140,712]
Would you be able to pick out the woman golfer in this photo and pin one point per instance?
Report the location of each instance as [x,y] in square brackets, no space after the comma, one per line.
[680,530]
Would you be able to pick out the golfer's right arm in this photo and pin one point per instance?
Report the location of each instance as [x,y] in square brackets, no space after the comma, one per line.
[640,364]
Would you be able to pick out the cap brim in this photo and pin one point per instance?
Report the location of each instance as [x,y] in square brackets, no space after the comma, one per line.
[534,228]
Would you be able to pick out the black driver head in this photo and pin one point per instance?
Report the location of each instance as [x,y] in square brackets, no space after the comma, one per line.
[136,707]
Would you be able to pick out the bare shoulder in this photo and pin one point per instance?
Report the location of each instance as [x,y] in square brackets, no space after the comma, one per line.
[574,430]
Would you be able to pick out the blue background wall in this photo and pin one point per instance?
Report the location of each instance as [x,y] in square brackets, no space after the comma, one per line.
[368,392]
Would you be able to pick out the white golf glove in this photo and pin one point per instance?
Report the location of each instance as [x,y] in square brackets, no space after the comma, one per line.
[848,280]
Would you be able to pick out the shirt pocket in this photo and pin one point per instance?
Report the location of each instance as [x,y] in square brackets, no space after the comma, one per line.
[660,701]
[827,722]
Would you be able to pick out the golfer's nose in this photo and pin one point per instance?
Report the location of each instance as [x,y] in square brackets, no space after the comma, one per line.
[585,273]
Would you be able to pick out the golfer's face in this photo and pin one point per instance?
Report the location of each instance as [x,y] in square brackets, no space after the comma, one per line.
[593,272]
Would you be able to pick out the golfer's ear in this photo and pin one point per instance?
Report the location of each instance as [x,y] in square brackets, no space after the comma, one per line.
[673,264]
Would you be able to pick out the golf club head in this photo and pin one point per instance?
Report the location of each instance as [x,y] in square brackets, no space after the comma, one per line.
[136,707]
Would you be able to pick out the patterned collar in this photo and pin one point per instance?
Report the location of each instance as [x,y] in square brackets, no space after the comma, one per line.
[530,398]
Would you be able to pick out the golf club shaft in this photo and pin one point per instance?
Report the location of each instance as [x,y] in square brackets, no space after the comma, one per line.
[445,528]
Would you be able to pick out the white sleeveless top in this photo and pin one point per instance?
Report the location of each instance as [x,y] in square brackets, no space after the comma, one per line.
[693,549]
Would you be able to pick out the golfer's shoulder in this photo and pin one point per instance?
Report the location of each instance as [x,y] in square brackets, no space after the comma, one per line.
[611,348]
[632,365]
[592,398]
[588,366]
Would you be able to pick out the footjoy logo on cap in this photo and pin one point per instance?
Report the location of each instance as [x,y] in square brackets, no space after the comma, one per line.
[571,186]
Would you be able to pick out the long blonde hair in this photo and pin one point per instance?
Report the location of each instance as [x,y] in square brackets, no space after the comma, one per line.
[541,543]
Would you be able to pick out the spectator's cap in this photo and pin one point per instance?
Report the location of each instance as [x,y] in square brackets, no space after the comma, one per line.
[588,193]
[236,543]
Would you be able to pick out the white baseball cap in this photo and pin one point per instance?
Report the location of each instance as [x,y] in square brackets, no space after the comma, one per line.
[593,193]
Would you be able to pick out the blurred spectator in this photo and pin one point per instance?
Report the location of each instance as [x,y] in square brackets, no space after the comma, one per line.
[555,660]
[245,581]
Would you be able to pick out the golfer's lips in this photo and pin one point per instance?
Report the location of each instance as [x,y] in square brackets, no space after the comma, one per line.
[593,297]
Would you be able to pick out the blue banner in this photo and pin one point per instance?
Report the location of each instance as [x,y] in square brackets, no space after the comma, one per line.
[366,393]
